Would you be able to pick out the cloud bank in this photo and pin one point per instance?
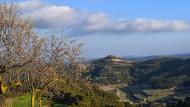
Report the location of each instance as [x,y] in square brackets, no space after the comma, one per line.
[79,22]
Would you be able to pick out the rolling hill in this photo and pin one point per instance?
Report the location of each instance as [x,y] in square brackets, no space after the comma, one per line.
[143,80]
[164,72]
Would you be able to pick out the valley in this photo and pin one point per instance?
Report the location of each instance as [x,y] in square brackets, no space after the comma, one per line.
[160,80]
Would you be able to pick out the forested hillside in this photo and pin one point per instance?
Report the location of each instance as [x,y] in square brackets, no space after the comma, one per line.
[157,80]
[162,73]
[110,70]
[159,72]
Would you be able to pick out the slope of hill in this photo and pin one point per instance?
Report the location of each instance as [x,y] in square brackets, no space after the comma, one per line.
[110,70]
[144,80]
[160,72]
[146,58]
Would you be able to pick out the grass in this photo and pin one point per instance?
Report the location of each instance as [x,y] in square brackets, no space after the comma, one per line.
[157,94]
[135,88]
[23,101]
[139,96]
[144,92]
[122,95]
[59,105]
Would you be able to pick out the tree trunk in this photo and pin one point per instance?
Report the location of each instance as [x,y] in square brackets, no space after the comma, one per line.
[33,98]
[40,101]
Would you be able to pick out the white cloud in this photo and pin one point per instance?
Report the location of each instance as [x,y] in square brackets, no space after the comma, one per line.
[49,16]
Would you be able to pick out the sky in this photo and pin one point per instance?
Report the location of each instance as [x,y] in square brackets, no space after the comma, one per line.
[117,27]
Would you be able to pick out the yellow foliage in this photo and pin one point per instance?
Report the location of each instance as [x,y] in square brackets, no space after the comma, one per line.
[3,88]
[16,83]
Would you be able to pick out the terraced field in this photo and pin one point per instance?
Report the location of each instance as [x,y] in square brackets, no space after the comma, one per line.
[144,93]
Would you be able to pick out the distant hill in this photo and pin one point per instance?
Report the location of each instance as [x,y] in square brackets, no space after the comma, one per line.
[110,70]
[145,58]
[162,72]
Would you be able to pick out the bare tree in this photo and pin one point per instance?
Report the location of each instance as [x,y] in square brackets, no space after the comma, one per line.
[37,64]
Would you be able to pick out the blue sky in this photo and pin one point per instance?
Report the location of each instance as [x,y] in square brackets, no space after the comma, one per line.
[119,27]
[153,9]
